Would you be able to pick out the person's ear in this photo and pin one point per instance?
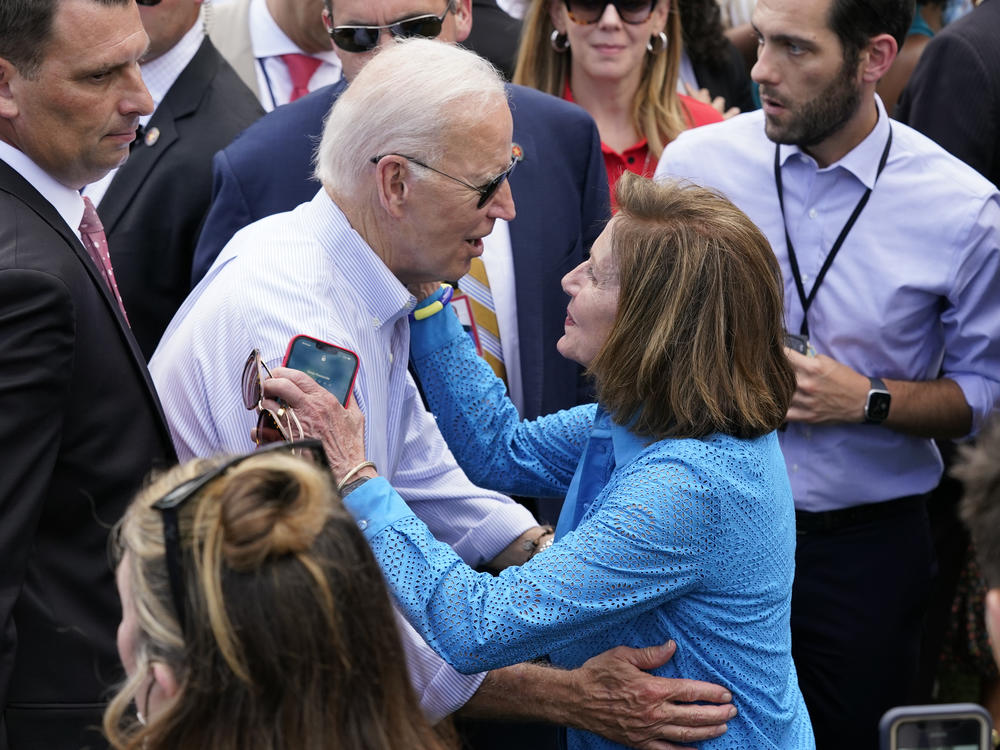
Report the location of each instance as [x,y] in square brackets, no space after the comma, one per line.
[392,181]
[463,20]
[556,10]
[8,105]
[165,678]
[877,57]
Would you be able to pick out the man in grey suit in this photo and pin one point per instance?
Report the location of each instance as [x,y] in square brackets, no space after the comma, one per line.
[80,422]
[153,206]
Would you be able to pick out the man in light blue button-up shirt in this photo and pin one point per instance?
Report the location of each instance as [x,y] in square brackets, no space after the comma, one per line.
[903,329]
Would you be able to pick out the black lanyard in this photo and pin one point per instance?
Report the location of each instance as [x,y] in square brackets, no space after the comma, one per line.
[806,300]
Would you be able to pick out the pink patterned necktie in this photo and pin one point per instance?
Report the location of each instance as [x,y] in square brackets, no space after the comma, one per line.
[96,243]
[301,69]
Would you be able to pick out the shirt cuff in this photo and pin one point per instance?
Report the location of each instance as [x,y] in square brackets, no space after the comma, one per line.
[434,333]
[376,505]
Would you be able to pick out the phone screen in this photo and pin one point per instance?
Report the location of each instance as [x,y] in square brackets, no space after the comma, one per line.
[331,366]
[939,734]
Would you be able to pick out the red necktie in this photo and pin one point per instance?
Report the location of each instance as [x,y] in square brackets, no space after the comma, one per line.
[301,69]
[96,243]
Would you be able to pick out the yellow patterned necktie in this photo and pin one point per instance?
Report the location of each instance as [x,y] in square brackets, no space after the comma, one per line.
[476,286]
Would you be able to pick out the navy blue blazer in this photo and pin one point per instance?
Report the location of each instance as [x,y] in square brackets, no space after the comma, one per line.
[560,191]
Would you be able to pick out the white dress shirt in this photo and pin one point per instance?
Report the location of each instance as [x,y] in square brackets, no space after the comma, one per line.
[269,42]
[912,293]
[308,272]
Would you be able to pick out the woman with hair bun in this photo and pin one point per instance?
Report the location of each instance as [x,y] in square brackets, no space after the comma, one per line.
[255,616]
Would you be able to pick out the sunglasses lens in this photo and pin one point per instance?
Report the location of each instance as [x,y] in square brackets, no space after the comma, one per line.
[427,27]
[251,381]
[147,3]
[354,38]
[634,11]
[590,11]
[270,429]
[490,189]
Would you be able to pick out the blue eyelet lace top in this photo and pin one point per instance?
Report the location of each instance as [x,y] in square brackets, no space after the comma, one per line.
[686,539]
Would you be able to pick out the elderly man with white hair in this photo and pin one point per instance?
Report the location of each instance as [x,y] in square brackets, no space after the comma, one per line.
[413,163]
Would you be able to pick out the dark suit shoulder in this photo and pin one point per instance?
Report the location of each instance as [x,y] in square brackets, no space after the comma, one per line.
[303,118]
[529,102]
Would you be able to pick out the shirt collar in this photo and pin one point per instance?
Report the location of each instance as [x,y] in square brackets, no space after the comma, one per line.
[385,297]
[862,160]
[65,200]
[627,445]
[160,74]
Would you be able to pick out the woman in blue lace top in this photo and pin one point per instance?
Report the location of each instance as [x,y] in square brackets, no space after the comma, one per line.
[678,520]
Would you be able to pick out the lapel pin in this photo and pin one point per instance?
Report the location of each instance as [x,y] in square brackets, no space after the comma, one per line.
[152,136]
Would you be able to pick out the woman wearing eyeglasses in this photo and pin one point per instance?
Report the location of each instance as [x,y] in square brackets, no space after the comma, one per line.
[619,61]
[254,616]
[678,520]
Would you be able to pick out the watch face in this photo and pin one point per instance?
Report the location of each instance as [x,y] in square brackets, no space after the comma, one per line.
[878,406]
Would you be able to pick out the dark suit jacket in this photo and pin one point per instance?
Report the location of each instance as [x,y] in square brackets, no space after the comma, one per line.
[495,35]
[560,193]
[80,426]
[953,95]
[154,206]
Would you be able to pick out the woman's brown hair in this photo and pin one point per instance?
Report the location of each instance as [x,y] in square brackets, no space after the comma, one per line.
[290,642]
[656,111]
[697,345]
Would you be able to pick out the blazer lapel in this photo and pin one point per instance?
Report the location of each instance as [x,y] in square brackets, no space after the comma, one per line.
[181,101]
[530,216]
[24,191]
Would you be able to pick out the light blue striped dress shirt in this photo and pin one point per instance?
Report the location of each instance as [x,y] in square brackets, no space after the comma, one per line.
[913,292]
[308,272]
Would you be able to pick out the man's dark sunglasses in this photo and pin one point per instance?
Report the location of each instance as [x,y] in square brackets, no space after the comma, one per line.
[147,3]
[590,11]
[486,191]
[365,38]
[179,495]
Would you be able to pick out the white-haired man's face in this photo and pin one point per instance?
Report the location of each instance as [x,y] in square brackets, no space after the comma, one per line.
[455,22]
[439,222]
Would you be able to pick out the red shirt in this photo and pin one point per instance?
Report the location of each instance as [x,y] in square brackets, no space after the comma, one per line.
[637,158]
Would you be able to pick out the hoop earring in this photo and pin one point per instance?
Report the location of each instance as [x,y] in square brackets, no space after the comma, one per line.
[560,42]
[661,38]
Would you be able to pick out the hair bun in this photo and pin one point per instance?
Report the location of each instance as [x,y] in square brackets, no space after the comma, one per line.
[268,513]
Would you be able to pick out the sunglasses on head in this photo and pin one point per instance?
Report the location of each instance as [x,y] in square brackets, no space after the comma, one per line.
[486,191]
[169,505]
[590,11]
[365,38]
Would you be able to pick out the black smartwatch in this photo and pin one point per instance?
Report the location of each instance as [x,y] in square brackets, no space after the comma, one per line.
[877,403]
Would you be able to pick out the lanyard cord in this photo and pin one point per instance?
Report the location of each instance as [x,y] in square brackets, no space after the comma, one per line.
[807,300]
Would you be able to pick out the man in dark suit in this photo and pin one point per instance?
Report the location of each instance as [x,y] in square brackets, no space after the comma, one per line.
[557,190]
[155,203]
[79,421]
[953,95]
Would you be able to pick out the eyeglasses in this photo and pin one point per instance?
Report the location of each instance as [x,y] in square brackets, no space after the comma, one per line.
[486,191]
[365,38]
[590,11]
[283,421]
[169,504]
[147,3]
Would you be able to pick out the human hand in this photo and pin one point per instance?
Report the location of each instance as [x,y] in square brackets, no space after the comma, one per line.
[826,390]
[620,701]
[718,102]
[341,430]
